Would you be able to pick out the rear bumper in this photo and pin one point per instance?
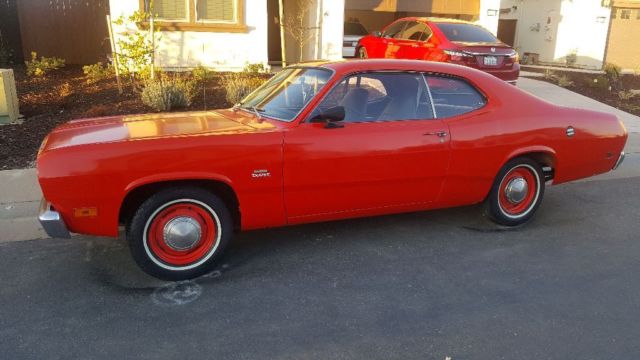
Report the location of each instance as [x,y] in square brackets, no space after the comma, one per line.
[52,221]
[619,161]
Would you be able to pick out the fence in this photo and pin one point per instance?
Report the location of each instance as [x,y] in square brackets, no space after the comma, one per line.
[74,30]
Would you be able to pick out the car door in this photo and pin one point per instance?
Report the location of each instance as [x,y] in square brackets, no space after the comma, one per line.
[410,41]
[391,154]
[390,39]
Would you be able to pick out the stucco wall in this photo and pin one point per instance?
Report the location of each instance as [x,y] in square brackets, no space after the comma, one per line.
[555,28]
[624,44]
[222,51]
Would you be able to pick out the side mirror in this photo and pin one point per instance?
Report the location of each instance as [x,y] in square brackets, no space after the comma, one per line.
[330,117]
[376,33]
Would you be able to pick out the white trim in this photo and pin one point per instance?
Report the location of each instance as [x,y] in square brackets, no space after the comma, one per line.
[194,265]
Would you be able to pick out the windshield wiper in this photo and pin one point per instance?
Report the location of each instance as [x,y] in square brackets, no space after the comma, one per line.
[257,111]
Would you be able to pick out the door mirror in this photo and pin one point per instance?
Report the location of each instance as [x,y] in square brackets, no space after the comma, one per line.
[376,33]
[330,116]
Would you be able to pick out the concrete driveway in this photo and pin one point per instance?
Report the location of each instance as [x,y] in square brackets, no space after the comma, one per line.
[416,286]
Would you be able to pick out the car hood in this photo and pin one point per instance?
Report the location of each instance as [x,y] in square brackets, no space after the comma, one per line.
[137,127]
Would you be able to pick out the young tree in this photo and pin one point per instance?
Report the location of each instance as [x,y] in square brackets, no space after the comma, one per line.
[296,24]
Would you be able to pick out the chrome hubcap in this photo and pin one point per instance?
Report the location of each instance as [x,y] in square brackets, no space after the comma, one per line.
[182,233]
[516,190]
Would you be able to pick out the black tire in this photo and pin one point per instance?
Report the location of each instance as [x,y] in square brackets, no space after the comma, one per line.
[505,209]
[362,53]
[198,206]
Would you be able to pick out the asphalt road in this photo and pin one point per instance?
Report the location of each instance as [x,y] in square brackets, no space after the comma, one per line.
[413,286]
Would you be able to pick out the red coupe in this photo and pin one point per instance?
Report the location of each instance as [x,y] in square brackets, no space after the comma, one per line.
[443,40]
[317,142]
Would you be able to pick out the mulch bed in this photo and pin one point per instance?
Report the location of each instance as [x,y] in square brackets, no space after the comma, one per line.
[583,83]
[65,95]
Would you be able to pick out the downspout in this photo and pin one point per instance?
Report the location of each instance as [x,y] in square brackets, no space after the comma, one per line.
[319,21]
[606,44]
[283,49]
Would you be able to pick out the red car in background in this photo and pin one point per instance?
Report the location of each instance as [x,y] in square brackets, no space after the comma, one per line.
[443,40]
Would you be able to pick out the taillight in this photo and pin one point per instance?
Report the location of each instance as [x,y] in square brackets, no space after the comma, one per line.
[457,56]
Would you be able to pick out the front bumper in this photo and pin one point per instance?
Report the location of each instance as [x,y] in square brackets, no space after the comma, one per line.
[619,161]
[52,221]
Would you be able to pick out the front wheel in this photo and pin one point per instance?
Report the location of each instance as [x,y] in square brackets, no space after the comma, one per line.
[179,233]
[516,193]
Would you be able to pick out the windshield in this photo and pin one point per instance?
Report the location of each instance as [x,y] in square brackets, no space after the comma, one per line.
[287,93]
[354,29]
[466,33]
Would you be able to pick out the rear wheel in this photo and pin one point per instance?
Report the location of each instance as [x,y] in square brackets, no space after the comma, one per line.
[179,233]
[362,53]
[516,193]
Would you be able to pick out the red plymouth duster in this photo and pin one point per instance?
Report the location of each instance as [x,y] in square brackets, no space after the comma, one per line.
[317,142]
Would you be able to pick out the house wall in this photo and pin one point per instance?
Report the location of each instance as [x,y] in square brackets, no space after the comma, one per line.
[376,14]
[219,50]
[624,45]
[555,28]
[325,21]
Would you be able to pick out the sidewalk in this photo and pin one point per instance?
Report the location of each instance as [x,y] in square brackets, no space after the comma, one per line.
[20,193]
[19,201]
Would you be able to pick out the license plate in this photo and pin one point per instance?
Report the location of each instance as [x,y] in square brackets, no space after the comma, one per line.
[491,60]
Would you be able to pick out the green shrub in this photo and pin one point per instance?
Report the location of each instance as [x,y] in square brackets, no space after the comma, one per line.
[44,65]
[626,95]
[564,81]
[239,85]
[164,93]
[97,72]
[256,68]
[202,73]
[571,58]
[613,73]
[599,82]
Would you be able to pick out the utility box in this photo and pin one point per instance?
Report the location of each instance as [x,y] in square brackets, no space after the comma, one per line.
[8,97]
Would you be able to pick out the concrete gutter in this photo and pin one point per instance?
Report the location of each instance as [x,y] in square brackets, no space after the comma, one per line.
[19,201]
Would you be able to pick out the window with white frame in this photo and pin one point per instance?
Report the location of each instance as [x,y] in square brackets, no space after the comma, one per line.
[197,15]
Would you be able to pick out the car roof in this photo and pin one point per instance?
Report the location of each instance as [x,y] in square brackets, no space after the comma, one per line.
[436,20]
[347,66]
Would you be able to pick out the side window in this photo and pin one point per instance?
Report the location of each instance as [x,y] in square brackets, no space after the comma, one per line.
[383,96]
[426,34]
[395,30]
[453,96]
[414,31]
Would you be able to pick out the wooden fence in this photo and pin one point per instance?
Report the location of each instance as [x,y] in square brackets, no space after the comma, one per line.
[75,30]
[10,29]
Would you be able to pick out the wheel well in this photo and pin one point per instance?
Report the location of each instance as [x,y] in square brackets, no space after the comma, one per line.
[547,162]
[137,196]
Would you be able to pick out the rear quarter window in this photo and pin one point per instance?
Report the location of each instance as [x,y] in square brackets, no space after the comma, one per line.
[453,96]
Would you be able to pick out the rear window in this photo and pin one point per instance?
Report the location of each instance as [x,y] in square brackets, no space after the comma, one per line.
[453,96]
[354,29]
[466,33]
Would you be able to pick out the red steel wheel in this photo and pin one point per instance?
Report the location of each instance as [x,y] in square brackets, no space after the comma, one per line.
[179,233]
[516,193]
[518,190]
[182,233]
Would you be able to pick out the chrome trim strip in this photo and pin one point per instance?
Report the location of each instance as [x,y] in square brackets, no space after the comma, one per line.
[433,106]
[52,222]
[619,161]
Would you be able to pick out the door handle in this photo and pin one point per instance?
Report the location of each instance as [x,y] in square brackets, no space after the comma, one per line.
[414,45]
[439,134]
